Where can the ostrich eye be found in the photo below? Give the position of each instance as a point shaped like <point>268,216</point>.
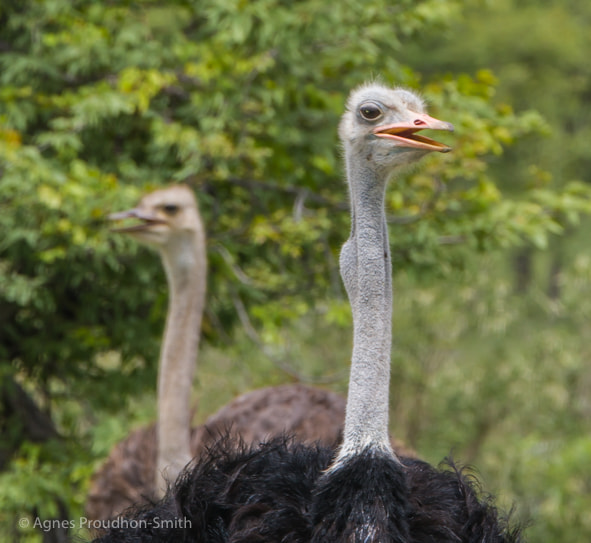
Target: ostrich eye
<point>370,111</point>
<point>170,209</point>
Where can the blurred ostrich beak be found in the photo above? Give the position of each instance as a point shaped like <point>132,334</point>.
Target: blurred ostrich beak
<point>146,220</point>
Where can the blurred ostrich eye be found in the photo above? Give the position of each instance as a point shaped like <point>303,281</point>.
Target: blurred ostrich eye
<point>170,209</point>
<point>370,111</point>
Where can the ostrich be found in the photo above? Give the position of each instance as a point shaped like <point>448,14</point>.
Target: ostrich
<point>362,491</point>
<point>169,220</point>
<point>140,466</point>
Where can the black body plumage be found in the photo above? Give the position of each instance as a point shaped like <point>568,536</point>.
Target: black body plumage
<point>363,499</point>
<point>280,492</point>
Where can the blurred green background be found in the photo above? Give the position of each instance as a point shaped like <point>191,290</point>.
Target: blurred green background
<point>101,101</point>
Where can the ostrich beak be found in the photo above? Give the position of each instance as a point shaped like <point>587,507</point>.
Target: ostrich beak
<point>405,133</point>
<point>146,219</point>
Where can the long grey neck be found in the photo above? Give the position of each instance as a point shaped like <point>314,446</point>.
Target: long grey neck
<point>186,274</point>
<point>366,270</point>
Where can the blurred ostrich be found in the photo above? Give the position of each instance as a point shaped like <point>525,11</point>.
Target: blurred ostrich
<point>140,467</point>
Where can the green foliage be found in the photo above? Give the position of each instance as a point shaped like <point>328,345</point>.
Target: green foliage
<point>537,51</point>
<point>501,381</point>
<point>101,101</point>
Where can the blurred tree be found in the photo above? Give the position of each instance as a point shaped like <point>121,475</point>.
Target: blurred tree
<point>502,381</point>
<point>538,52</point>
<point>536,359</point>
<point>100,101</point>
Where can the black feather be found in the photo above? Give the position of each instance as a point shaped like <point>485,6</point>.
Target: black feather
<point>280,492</point>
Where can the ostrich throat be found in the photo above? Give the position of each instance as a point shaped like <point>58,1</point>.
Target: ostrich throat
<point>366,270</point>
<point>185,268</point>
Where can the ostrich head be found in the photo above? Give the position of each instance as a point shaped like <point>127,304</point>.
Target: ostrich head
<point>162,218</point>
<point>381,124</point>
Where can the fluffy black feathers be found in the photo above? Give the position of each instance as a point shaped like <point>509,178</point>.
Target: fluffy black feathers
<point>364,499</point>
<point>281,492</point>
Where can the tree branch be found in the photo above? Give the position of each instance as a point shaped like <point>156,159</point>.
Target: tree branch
<point>281,364</point>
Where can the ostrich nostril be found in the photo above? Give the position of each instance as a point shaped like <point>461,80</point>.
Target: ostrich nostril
<point>418,122</point>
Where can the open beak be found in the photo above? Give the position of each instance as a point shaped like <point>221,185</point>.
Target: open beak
<point>405,133</point>
<point>146,220</point>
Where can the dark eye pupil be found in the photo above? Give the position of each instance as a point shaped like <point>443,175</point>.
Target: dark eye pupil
<point>170,209</point>
<point>370,112</point>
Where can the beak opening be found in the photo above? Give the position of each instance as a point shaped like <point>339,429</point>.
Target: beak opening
<point>146,220</point>
<point>405,134</point>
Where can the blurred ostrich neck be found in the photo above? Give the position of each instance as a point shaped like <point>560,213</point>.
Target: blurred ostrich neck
<point>184,263</point>
<point>366,271</point>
